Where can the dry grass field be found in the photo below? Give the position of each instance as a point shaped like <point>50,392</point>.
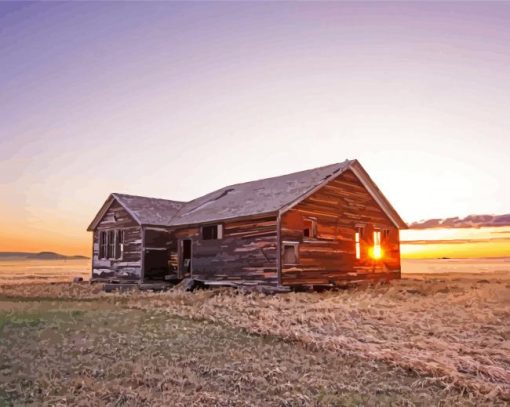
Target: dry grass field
<point>429,339</point>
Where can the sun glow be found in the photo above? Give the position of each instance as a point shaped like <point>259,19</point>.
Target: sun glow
<point>376,252</point>
<point>457,243</point>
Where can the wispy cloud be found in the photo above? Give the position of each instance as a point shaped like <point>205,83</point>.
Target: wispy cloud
<point>456,241</point>
<point>471,221</point>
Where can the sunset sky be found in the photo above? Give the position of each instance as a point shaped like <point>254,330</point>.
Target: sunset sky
<point>174,100</point>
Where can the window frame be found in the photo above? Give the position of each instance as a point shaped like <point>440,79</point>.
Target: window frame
<point>357,244</point>
<point>312,230</point>
<point>110,248</point>
<point>295,246</point>
<point>103,244</point>
<point>385,236</point>
<point>377,237</point>
<point>218,234</point>
<point>359,232</point>
<point>119,244</point>
<point>377,244</point>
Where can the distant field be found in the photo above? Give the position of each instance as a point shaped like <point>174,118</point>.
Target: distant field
<point>430,339</point>
<point>44,271</point>
<point>27,271</point>
<point>434,266</point>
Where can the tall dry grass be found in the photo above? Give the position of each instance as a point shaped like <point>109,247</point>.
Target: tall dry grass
<point>455,332</point>
<point>450,329</point>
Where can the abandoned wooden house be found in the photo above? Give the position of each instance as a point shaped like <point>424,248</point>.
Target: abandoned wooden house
<point>325,226</point>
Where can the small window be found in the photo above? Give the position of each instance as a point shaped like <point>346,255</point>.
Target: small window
<point>212,232</point>
<point>358,235</point>
<point>385,234</point>
<point>310,228</point>
<point>102,245</point>
<point>361,231</point>
<point>290,253</point>
<point>358,245</point>
<point>119,244</point>
<point>111,244</point>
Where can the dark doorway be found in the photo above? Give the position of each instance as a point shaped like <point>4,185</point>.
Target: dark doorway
<point>185,258</point>
<point>156,264</point>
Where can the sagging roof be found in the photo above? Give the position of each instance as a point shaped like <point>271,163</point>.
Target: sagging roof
<point>265,196</point>
<point>254,198</point>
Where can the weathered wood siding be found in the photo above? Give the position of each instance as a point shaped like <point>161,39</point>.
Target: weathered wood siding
<point>245,253</point>
<point>339,207</point>
<point>129,266</point>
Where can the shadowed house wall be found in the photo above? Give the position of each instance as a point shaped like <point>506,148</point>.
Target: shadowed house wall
<point>246,251</point>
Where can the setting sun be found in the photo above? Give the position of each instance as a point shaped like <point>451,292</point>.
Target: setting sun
<point>376,252</point>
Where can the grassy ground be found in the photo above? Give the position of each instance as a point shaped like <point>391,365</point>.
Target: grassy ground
<point>426,340</point>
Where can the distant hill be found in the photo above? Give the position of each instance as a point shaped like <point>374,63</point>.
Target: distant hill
<point>38,256</point>
<point>471,221</point>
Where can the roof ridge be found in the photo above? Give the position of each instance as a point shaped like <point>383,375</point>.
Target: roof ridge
<point>188,208</point>
<point>282,175</point>
<point>346,161</point>
<point>232,185</point>
<point>117,194</point>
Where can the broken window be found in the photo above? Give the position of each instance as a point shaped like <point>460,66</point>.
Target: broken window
<point>111,244</point>
<point>290,253</point>
<point>102,245</point>
<point>309,228</point>
<point>119,244</point>
<point>212,232</point>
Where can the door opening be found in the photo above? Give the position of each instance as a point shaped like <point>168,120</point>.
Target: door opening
<point>185,258</point>
<point>156,264</point>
